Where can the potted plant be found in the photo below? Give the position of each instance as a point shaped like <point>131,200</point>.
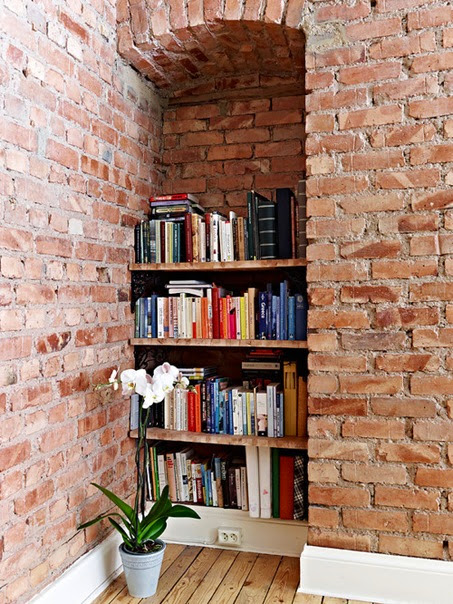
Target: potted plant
<point>142,551</point>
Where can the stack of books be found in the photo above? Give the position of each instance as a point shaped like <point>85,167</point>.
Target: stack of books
<point>203,310</point>
<point>217,480</point>
<point>277,483</point>
<point>179,230</point>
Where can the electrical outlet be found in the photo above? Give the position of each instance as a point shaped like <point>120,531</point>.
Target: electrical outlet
<point>229,536</point>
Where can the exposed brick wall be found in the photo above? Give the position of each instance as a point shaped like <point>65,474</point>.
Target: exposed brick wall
<point>379,152</point>
<point>79,133</point>
<point>221,150</point>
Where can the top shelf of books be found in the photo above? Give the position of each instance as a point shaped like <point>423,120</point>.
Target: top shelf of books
<point>235,265</point>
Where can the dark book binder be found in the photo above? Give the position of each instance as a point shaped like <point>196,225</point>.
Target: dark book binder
<point>284,222</point>
<point>267,229</point>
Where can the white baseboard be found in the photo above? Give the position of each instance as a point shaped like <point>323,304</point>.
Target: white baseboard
<point>267,536</point>
<point>87,577</point>
<point>370,577</point>
<point>93,572</point>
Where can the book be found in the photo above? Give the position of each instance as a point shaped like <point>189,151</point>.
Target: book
<point>300,509</point>
<point>290,397</point>
<point>267,229</point>
<point>275,463</point>
<point>302,407</point>
<point>286,487</point>
<point>251,456</point>
<point>264,466</point>
<point>283,197</point>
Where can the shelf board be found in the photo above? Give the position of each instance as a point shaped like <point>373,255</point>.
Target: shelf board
<point>223,343</point>
<point>286,442</point>
<point>236,265</point>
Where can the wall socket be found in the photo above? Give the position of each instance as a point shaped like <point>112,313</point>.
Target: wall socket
<point>229,536</point>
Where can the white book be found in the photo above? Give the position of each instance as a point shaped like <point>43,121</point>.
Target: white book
<point>189,319</point>
<point>253,480</point>
<point>182,316</point>
<point>179,478</point>
<point>270,409</point>
<point>162,472</point>
<point>264,465</point>
<point>221,241</point>
<point>167,411</point>
<point>235,404</point>
<point>160,317</point>
<point>215,219</point>
<point>202,241</point>
<point>215,500</point>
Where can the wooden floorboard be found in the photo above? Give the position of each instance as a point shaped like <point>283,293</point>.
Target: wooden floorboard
<point>195,575</point>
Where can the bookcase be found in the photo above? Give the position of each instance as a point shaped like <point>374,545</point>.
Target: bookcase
<point>264,535</point>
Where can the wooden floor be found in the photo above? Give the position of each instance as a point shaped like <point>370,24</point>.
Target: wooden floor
<point>197,575</point>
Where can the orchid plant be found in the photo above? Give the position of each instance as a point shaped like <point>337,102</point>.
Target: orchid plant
<point>139,530</point>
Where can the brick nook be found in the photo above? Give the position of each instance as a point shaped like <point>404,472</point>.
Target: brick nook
<point>103,102</point>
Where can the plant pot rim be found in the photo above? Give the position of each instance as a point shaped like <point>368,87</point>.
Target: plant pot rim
<point>124,549</point>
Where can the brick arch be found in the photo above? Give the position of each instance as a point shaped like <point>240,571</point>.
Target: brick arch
<point>175,43</point>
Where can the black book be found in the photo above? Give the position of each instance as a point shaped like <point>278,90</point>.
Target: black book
<point>137,246</point>
<point>284,222</point>
<point>267,228</point>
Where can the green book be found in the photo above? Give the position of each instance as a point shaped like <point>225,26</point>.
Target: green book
<point>275,467</point>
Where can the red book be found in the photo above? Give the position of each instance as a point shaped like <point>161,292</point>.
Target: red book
<point>173,197</point>
<point>188,237</point>
<point>286,487</point>
<point>191,411</point>
<point>204,318</point>
<point>232,323</point>
<point>223,327</point>
<point>215,313</point>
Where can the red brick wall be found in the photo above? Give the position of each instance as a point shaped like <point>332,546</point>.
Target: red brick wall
<point>223,149</point>
<point>379,151</point>
<point>79,132</point>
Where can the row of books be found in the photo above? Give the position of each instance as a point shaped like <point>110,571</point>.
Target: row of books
<point>257,407</point>
<point>277,483</point>
<point>215,481</point>
<point>179,230</point>
<point>269,483</point>
<point>203,310</point>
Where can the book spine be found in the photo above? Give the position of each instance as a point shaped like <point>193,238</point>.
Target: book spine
<point>188,241</point>
<point>137,247</point>
<point>300,317</point>
<point>262,315</point>
<point>291,318</point>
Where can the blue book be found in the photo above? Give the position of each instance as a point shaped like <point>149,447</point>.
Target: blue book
<point>283,311</point>
<point>221,415</point>
<point>274,316</point>
<point>301,317</point>
<point>269,312</point>
<point>142,318</point>
<point>277,319</point>
<point>230,413</point>
<point>262,315</point>
<point>204,484</point>
<point>291,318</point>
<point>154,316</point>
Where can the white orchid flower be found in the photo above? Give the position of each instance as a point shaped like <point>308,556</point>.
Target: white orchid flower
<point>184,382</point>
<point>153,394</point>
<point>134,381</point>
<point>166,369</point>
<point>113,380</point>
<point>166,382</point>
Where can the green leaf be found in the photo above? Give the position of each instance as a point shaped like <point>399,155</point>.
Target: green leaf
<point>182,511</point>
<point>124,507</point>
<point>159,509</point>
<point>101,517</point>
<point>154,530</point>
<point>122,532</point>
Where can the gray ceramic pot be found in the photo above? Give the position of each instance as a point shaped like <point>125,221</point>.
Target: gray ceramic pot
<point>142,570</point>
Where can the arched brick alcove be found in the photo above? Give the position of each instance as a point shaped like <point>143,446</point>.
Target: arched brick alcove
<point>175,43</point>
<point>232,77</point>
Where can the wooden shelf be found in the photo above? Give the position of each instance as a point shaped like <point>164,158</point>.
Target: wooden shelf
<point>223,343</point>
<point>236,265</point>
<point>286,442</point>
